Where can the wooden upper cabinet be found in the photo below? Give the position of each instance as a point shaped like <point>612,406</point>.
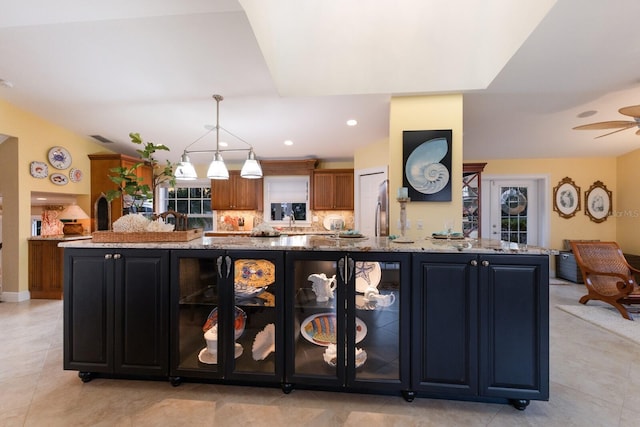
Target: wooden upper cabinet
<point>332,189</point>
<point>236,193</point>
<point>100,182</point>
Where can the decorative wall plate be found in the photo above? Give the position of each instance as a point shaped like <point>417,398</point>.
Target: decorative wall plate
<point>59,179</point>
<point>59,158</point>
<point>75,175</point>
<point>39,170</point>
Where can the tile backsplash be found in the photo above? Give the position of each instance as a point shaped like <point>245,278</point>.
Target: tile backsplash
<point>250,219</point>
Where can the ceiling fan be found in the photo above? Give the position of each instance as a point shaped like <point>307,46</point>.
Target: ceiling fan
<point>633,111</point>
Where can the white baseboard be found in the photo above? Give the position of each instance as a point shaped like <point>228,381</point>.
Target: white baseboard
<point>15,296</point>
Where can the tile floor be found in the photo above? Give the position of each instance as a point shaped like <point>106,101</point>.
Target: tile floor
<point>593,383</point>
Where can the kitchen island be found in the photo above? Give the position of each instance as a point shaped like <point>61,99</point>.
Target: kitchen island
<point>432,318</point>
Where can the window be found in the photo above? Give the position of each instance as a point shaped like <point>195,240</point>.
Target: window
<point>286,196</point>
<point>193,199</point>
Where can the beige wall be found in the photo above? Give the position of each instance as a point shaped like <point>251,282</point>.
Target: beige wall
<point>31,140</point>
<point>425,113</point>
<point>627,202</point>
<point>372,156</point>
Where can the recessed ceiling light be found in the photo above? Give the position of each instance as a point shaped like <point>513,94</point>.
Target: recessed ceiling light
<point>352,122</point>
<point>223,144</point>
<point>288,142</point>
<point>41,198</point>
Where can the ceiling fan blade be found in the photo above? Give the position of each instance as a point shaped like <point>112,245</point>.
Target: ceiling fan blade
<point>633,111</point>
<point>625,124</point>
<point>616,131</point>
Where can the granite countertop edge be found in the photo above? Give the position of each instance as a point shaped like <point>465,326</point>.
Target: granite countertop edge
<point>321,243</point>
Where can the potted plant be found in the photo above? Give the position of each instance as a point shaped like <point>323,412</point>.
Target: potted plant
<point>130,187</point>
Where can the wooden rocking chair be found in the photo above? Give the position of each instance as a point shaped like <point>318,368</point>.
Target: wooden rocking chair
<point>607,275</point>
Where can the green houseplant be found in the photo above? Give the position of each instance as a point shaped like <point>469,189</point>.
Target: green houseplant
<point>130,186</point>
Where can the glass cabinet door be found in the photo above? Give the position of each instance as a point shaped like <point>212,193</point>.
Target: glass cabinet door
<point>315,318</point>
<point>196,297</point>
<point>256,288</point>
<point>225,314</point>
<point>379,327</point>
<point>346,324</point>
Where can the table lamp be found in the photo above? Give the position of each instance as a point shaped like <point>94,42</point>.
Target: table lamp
<point>73,213</point>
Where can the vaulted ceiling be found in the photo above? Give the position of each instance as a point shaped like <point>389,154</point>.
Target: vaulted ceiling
<point>297,70</point>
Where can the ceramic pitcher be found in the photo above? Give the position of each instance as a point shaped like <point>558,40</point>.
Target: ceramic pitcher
<point>323,286</point>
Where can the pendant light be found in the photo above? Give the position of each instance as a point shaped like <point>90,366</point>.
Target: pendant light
<point>217,169</point>
<point>251,168</point>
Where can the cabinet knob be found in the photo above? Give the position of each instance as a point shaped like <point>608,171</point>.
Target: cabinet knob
<point>485,263</point>
<point>474,262</point>
<point>116,256</point>
<point>108,256</point>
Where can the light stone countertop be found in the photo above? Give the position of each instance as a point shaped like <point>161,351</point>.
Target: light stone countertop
<point>324,243</point>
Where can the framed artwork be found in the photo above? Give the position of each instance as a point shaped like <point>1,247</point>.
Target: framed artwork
<point>598,201</point>
<point>566,198</point>
<point>426,156</point>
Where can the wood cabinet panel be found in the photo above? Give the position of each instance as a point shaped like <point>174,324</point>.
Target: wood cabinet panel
<point>100,182</point>
<point>236,193</point>
<point>45,269</point>
<point>332,189</point>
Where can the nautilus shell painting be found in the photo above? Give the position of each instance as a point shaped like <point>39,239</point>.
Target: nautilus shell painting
<point>423,168</point>
<point>427,165</point>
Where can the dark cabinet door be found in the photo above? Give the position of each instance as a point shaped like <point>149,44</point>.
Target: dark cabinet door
<point>514,332</point>
<point>141,312</point>
<point>445,324</point>
<point>88,310</point>
<point>116,311</point>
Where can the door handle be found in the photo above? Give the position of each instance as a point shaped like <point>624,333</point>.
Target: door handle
<point>341,268</point>
<point>219,263</point>
<point>228,259</point>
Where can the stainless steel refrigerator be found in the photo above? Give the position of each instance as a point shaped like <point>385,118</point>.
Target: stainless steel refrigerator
<point>382,209</point>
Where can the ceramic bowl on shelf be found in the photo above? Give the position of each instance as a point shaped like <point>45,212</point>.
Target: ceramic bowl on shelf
<point>330,356</point>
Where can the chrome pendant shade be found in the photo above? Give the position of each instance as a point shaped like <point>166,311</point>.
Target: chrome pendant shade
<point>217,168</point>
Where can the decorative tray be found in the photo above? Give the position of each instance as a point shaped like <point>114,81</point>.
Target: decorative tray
<point>146,236</point>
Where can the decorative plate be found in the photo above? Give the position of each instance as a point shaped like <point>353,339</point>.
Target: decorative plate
<point>368,274</point>
<point>75,175</point>
<point>239,324</point>
<point>59,158</point>
<point>329,218</point>
<point>59,179</point>
<point>443,236</point>
<point>256,273</point>
<point>39,170</point>
<point>350,236</point>
<point>320,329</point>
